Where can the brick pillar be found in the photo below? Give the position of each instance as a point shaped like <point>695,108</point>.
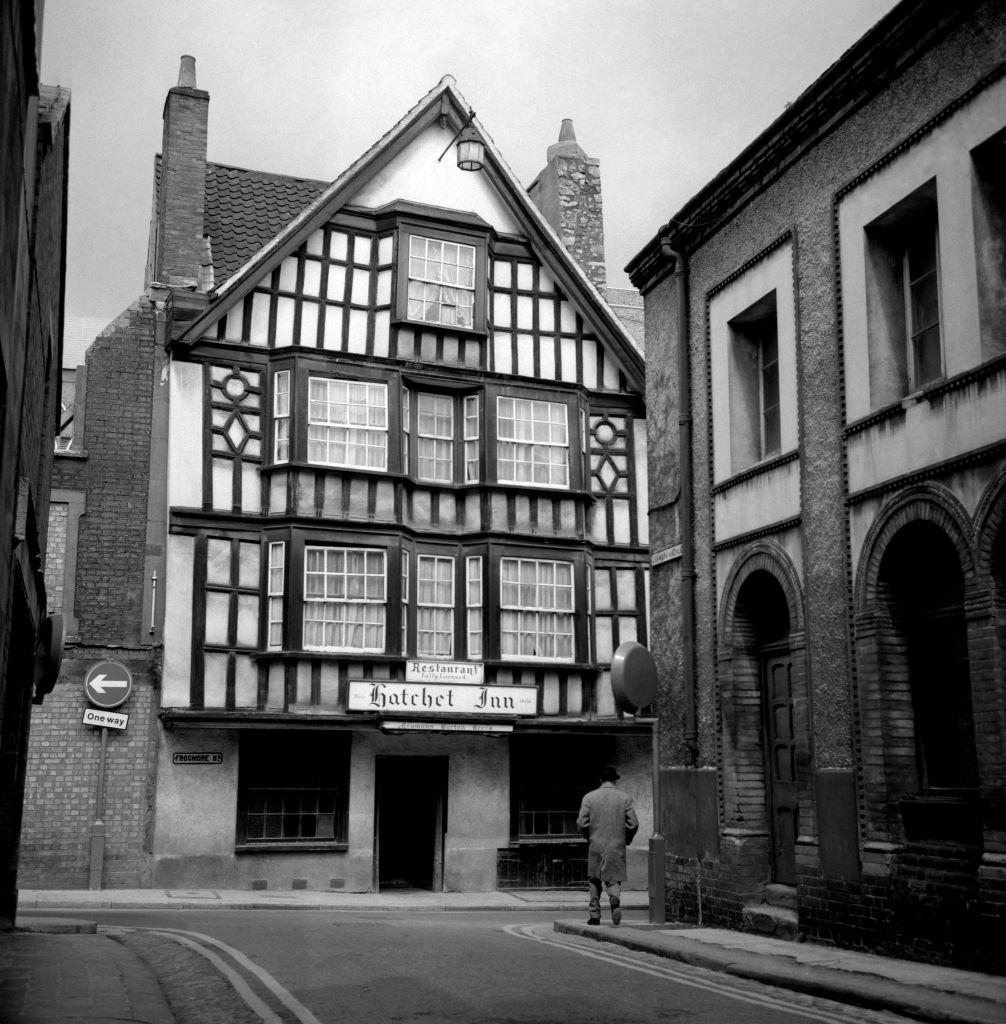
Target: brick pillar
<point>568,193</point>
<point>182,194</point>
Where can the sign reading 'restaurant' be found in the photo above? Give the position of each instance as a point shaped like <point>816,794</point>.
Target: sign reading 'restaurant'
<point>445,672</point>
<point>443,698</point>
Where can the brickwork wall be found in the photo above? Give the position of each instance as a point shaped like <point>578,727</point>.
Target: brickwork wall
<point>121,374</point>
<point>56,555</point>
<point>63,760</point>
<point>924,902</point>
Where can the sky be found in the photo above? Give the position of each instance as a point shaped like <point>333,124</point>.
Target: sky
<point>664,93</point>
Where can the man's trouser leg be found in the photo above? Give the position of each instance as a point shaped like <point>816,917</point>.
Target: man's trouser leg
<point>614,890</point>
<point>594,904</point>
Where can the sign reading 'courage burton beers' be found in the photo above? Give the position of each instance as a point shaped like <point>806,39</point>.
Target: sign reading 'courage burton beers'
<point>443,698</point>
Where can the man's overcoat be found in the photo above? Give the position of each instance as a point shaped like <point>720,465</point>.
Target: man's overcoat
<point>608,819</point>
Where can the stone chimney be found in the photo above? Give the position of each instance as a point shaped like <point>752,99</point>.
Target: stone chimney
<point>568,193</point>
<point>179,246</point>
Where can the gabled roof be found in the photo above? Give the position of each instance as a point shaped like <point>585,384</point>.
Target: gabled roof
<point>444,101</point>
<point>245,210</point>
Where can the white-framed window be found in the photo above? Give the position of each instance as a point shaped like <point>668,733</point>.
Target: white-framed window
<point>536,609</point>
<point>441,282</point>
<point>754,384</point>
<point>472,439</point>
<point>347,423</point>
<point>434,606</point>
<point>281,415</point>
<point>275,591</point>
<point>405,603</point>
<point>532,442</point>
<point>473,576</point>
<point>406,428</point>
<point>435,437</point>
<point>344,599</point>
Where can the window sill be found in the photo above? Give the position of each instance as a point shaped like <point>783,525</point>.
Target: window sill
<point>302,847</point>
<point>757,469</point>
<point>548,841</point>
<point>477,333</point>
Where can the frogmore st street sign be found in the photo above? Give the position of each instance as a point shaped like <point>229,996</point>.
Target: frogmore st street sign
<point>108,684</point>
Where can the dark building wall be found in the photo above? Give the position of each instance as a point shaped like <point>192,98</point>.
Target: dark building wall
<point>926,902</point>
<point>100,501</point>
<point>34,138</point>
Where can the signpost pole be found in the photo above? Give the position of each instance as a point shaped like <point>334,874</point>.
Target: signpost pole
<point>98,828</point>
<point>658,847</point>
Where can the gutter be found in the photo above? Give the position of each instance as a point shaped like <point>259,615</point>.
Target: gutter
<point>685,497</point>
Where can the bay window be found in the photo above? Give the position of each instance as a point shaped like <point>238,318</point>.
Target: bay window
<point>441,282</point>
<point>345,600</point>
<point>433,448</point>
<point>536,609</point>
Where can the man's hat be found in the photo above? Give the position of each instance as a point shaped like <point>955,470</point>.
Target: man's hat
<point>608,773</point>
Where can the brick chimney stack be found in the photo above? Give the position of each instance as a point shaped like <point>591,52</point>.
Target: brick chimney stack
<point>181,201</point>
<point>568,193</point>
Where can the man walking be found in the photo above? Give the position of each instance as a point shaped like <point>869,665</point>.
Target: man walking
<point>608,822</point>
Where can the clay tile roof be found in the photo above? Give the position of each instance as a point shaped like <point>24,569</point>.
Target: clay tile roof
<point>247,209</point>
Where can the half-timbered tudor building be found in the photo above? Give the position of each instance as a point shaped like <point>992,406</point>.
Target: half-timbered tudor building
<point>400,435</point>
<point>825,331</point>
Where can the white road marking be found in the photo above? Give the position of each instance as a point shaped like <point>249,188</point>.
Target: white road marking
<point>693,977</point>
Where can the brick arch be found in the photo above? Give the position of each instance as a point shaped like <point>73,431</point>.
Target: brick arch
<point>772,558</point>
<point>928,503</point>
<point>990,524</point>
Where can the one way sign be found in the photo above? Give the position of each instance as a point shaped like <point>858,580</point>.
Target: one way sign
<point>108,684</point>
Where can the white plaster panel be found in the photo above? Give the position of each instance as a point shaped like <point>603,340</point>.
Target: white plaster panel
<point>196,803</point>
<point>774,272</point>
<point>178,621</point>
<point>931,431</point>
<point>418,175</point>
<point>944,154</point>
<point>759,501</point>
<point>185,436</point>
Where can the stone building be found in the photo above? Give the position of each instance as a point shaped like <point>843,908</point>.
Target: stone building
<point>34,147</point>
<point>827,321</point>
<point>356,492</point>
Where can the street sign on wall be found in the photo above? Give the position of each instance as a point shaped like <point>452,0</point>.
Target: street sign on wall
<point>105,719</point>
<point>108,684</point>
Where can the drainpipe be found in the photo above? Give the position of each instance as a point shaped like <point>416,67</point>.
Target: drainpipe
<point>685,499</point>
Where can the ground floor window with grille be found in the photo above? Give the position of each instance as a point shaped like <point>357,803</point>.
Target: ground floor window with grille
<point>293,790</point>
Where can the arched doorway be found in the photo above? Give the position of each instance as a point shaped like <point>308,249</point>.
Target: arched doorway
<point>921,583</point>
<point>761,638</point>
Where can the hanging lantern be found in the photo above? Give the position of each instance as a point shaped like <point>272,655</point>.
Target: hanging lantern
<point>471,150</point>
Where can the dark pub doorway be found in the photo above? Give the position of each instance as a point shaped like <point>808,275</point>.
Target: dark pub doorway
<point>411,822</point>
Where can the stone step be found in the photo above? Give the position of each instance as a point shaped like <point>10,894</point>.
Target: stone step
<point>781,896</point>
<point>779,922</point>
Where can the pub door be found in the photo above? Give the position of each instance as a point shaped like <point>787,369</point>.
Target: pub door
<point>411,819</point>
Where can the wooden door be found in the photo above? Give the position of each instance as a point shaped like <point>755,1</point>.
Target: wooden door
<point>783,807</point>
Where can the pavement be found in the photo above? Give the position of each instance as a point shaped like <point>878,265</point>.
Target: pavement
<point>56,969</point>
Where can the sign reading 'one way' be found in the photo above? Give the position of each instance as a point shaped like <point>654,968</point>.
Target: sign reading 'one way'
<point>108,684</point>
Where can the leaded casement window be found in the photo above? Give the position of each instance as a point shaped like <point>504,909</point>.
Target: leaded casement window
<point>441,436</point>
<point>345,602</point>
<point>441,282</point>
<point>347,423</point>
<point>537,609</point>
<point>281,416</point>
<point>293,790</point>
<point>275,590</point>
<point>532,442</point>
<point>619,608</point>
<point>473,577</point>
<point>472,439</point>
<point>404,604</point>
<point>435,437</point>
<point>434,606</point>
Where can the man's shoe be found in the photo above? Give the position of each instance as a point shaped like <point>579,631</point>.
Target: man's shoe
<point>593,920</point>
<point>616,913</point>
